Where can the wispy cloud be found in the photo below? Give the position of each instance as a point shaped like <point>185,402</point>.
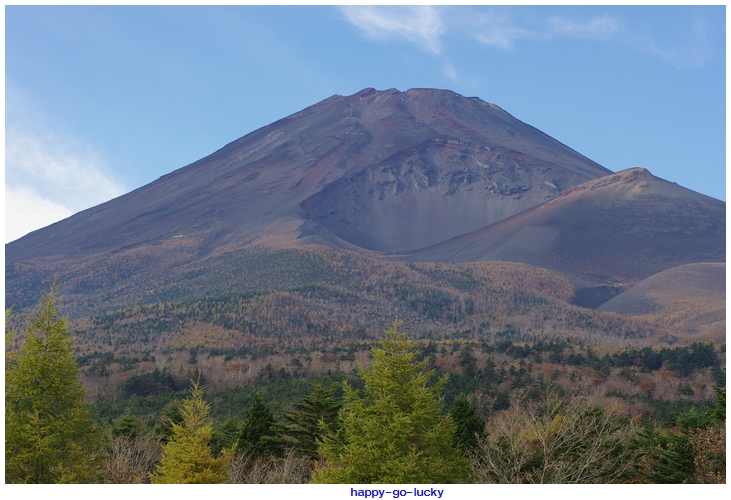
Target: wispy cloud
<point>598,27</point>
<point>26,211</point>
<point>500,29</point>
<point>48,177</point>
<point>420,25</point>
<point>451,73</point>
<point>690,47</point>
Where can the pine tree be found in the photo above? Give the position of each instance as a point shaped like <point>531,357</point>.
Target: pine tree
<point>128,426</point>
<point>49,435</point>
<point>258,429</point>
<point>225,435</point>
<point>469,426</point>
<point>186,457</point>
<point>314,416</point>
<point>395,432</point>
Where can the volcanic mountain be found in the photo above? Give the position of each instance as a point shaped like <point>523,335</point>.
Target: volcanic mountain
<point>426,174</point>
<point>385,171</point>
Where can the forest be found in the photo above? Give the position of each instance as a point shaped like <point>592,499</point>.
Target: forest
<point>349,407</point>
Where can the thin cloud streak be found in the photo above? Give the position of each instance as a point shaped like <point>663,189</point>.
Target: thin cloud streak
<point>420,25</point>
<point>502,27</point>
<point>600,27</point>
<point>692,49</point>
<point>497,29</point>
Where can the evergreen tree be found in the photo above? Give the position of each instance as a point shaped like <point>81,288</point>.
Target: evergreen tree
<point>128,426</point>
<point>671,455</point>
<point>258,430</point>
<point>225,435</point>
<point>667,454</point>
<point>469,426</point>
<point>502,401</point>
<point>394,432</point>
<point>172,415</point>
<point>186,457</point>
<point>49,435</point>
<point>314,416</point>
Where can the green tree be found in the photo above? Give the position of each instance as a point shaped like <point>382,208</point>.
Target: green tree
<point>128,425</point>
<point>395,431</point>
<point>225,435</point>
<point>469,426</point>
<point>314,416</point>
<point>171,415</point>
<point>258,430</point>
<point>186,457</point>
<point>49,435</point>
<point>671,456</point>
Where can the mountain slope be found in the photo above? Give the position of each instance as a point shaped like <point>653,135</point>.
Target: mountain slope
<point>615,230</point>
<point>422,175</point>
<point>688,299</point>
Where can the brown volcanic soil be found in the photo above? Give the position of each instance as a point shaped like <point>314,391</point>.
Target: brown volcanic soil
<point>615,231</point>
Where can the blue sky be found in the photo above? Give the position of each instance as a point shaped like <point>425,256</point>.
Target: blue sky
<point>102,100</point>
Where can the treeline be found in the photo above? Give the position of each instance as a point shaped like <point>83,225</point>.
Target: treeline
<point>333,434</point>
<point>390,423</point>
<point>492,372</point>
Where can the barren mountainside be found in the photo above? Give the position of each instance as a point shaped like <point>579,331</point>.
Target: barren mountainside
<point>445,163</point>
<point>618,229</point>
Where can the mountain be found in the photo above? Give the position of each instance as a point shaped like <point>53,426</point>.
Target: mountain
<point>421,175</point>
<point>374,171</point>
<point>346,161</point>
<point>607,232</point>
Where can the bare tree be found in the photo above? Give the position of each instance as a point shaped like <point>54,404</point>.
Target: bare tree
<point>131,459</point>
<point>291,469</point>
<point>709,450</point>
<point>561,441</point>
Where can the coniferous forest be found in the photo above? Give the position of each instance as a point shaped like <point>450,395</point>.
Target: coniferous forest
<point>347,408</point>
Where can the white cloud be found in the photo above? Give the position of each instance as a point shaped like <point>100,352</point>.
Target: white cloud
<point>26,210</point>
<point>48,178</point>
<point>451,73</point>
<point>599,27</point>
<point>418,24</point>
<point>497,29</point>
<point>688,44</point>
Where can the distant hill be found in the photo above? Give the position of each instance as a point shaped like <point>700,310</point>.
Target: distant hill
<point>690,299</point>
